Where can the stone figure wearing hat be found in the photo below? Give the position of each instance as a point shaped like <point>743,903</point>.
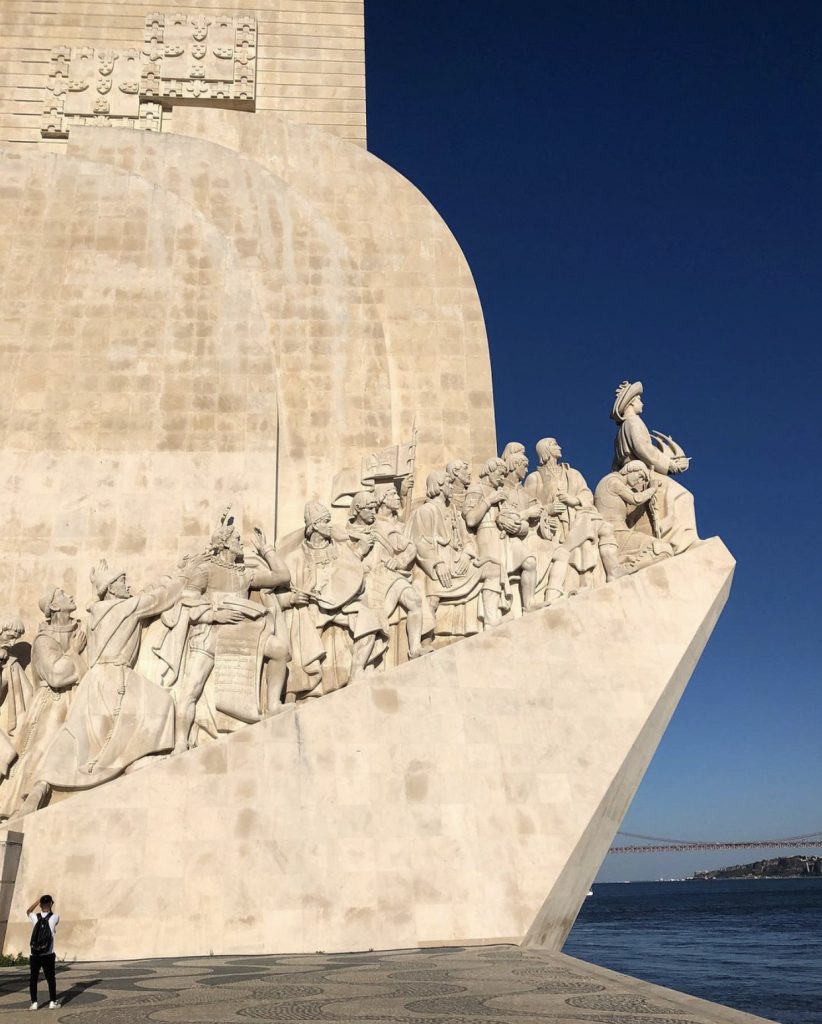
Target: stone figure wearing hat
<point>117,716</point>
<point>335,635</point>
<point>57,665</point>
<point>674,505</point>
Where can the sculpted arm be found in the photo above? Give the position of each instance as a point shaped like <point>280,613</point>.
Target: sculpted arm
<point>474,509</point>
<point>643,448</point>
<point>59,670</point>
<point>276,574</point>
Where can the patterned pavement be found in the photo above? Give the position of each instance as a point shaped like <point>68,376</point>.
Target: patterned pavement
<point>457,985</point>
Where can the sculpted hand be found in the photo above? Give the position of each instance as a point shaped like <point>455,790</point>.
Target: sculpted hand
<point>443,575</point>
<point>558,508</point>
<point>393,564</point>
<point>299,599</point>
<point>78,641</point>
<point>497,498</point>
<point>463,564</point>
<point>227,616</point>
<point>259,541</point>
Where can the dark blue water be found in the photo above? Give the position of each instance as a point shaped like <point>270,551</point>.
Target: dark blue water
<point>756,946</point>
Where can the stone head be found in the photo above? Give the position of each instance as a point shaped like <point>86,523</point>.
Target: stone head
<point>363,508</point>
<point>459,471</point>
<point>548,448</point>
<point>515,459</point>
<point>11,629</point>
<point>227,539</point>
<point>317,520</point>
<point>389,498</point>
<point>636,474</point>
<point>439,484</point>
<point>494,472</point>
<point>54,601</point>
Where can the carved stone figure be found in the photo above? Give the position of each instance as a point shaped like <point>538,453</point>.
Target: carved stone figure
<point>674,505</point>
<point>451,579</point>
<point>480,511</point>
<point>389,565</point>
<point>117,716</point>
<point>15,688</point>
<point>217,629</point>
<point>334,632</point>
<point>524,551</point>
<point>57,665</point>
<point>624,499</point>
<point>557,487</point>
<point>459,473</point>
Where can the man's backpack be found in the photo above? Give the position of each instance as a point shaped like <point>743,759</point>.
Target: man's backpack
<point>41,935</point>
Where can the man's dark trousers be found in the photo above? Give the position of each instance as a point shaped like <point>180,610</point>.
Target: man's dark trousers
<point>47,963</point>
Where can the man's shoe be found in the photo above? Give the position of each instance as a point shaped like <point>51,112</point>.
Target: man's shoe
<point>33,1006</point>
<point>54,1004</point>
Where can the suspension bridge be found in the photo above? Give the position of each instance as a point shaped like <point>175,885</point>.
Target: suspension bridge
<point>660,844</point>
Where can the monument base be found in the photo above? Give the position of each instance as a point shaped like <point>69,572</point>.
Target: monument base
<point>435,804</point>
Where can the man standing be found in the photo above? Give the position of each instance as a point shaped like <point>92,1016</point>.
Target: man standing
<point>45,923</point>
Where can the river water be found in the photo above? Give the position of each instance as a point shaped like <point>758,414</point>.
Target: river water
<point>756,946</point>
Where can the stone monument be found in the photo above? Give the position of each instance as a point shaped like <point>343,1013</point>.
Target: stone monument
<point>418,713</point>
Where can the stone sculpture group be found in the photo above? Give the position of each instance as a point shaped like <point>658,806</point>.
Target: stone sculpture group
<point>159,671</point>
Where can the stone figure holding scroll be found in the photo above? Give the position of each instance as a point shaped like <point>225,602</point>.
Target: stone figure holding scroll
<point>216,630</point>
<point>335,635</point>
<point>57,664</point>
<point>117,717</point>
<point>674,505</point>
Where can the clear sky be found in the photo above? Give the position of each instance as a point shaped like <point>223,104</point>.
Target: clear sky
<point>638,189</point>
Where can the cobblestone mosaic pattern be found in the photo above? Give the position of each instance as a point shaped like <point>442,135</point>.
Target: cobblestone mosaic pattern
<point>475,985</point>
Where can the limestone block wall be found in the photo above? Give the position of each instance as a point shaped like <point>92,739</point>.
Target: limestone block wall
<point>468,796</point>
<point>185,324</point>
<point>311,55</point>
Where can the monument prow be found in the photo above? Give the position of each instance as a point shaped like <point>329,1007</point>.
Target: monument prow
<point>468,796</point>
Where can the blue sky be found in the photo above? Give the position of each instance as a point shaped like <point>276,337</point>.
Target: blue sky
<point>638,189</point>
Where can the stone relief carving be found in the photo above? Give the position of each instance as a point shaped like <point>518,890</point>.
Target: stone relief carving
<point>208,60</point>
<point>240,631</point>
<point>88,86</point>
<point>204,60</point>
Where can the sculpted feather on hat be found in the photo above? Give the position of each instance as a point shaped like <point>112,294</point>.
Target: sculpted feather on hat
<point>625,394</point>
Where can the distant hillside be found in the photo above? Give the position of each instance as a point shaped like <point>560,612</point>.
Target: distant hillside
<point>776,867</point>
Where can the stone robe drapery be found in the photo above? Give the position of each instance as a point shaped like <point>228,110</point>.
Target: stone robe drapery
<point>440,535</point>
<point>117,716</point>
<point>16,695</point>
<point>548,482</point>
<point>675,504</point>
<point>317,646</point>
<point>55,670</point>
